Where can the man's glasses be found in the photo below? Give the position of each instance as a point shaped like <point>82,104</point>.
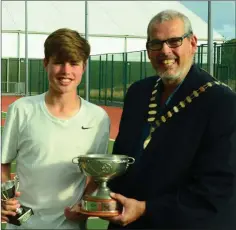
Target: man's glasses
<point>157,45</point>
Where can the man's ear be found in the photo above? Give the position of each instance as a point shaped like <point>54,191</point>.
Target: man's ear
<point>148,53</point>
<point>194,43</point>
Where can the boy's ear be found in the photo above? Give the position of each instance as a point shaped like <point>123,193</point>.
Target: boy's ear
<point>45,62</point>
<point>84,65</point>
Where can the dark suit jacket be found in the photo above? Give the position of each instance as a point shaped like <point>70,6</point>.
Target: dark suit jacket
<point>187,173</point>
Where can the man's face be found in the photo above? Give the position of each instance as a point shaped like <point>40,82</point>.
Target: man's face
<point>63,77</point>
<point>172,63</point>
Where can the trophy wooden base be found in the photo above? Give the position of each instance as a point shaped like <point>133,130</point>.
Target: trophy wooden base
<point>99,214</point>
<point>93,206</point>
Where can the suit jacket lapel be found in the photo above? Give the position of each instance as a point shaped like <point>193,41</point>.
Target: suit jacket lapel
<point>191,82</point>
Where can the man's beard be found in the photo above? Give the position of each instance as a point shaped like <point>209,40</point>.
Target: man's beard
<point>178,73</point>
<point>165,75</point>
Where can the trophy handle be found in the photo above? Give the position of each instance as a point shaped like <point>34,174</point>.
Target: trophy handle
<point>131,160</point>
<point>75,162</point>
<point>16,180</point>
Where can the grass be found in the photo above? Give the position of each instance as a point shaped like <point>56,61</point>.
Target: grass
<point>93,223</point>
<point>3,115</point>
<point>97,223</point>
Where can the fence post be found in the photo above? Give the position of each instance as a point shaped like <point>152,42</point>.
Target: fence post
<point>214,62</point>
<point>198,55</point>
<point>30,75</point>
<point>105,83</point>
<point>45,88</point>
<point>141,65</point>
<point>112,76</point>
<point>100,78</point>
<point>8,68</point>
<point>201,54</point>
<point>218,61</point>
<point>125,73</point>
<point>42,85</point>
<point>145,63</point>
<point>89,76</point>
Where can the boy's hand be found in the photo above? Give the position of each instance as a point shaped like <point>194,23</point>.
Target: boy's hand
<point>74,213</point>
<point>9,207</point>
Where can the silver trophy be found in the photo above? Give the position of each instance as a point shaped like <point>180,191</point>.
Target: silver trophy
<point>8,190</point>
<point>102,167</point>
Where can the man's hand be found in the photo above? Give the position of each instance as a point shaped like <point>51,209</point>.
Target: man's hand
<point>74,213</point>
<point>132,210</point>
<point>8,207</point>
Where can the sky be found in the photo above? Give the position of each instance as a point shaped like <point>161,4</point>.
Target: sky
<point>223,15</point>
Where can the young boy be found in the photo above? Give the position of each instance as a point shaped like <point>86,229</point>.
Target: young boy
<point>45,132</point>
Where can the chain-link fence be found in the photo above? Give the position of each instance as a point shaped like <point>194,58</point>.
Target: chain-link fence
<point>112,74</point>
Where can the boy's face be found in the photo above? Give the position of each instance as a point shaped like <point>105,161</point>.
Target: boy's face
<point>64,77</point>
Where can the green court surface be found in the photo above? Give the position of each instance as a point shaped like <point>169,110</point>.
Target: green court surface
<point>93,223</point>
<point>3,115</point>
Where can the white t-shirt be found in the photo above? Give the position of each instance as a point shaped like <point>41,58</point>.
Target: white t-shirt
<point>44,147</point>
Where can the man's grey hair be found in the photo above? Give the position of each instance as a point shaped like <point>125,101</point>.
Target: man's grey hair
<point>168,15</point>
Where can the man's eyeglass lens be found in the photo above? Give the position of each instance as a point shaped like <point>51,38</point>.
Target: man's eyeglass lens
<point>172,43</point>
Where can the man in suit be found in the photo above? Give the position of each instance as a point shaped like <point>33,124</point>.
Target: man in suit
<point>180,126</point>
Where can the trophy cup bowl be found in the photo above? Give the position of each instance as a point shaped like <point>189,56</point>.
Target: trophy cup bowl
<point>102,168</point>
<point>8,190</point>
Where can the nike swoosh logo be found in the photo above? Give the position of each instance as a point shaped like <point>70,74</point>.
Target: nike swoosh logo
<point>86,127</point>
